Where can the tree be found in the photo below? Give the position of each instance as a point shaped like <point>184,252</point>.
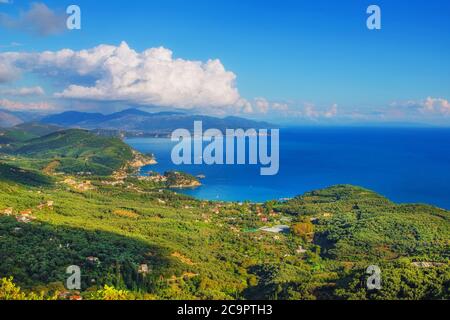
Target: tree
<point>303,229</point>
<point>110,293</point>
<point>9,291</point>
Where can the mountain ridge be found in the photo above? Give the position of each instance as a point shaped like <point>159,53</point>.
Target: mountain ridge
<point>9,119</point>
<point>135,120</point>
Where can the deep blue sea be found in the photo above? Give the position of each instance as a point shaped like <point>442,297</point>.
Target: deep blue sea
<point>409,165</point>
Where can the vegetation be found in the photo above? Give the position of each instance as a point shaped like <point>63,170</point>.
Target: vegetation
<point>134,239</point>
<point>23,176</point>
<point>180,180</point>
<point>75,151</point>
<point>26,131</point>
<point>35,129</point>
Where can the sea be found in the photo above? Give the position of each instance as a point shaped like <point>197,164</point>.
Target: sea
<point>407,165</point>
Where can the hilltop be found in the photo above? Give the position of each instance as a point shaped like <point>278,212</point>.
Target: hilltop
<point>356,224</point>
<point>36,129</point>
<point>26,131</point>
<point>73,150</point>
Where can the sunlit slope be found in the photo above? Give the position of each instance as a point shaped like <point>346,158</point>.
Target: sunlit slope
<point>76,150</point>
<point>195,249</point>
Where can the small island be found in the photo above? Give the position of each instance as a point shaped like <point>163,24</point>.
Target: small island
<point>181,180</point>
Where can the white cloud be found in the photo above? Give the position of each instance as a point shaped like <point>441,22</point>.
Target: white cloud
<point>310,111</point>
<point>25,91</point>
<point>295,110</point>
<point>8,72</point>
<point>262,105</point>
<point>429,106</point>
<point>26,106</point>
<point>39,19</point>
<point>438,105</point>
<point>149,78</point>
<point>279,106</point>
<point>332,112</point>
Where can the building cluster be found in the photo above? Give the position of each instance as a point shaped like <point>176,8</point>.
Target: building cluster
<point>26,216</point>
<point>79,186</point>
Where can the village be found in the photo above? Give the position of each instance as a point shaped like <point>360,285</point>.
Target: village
<point>26,216</point>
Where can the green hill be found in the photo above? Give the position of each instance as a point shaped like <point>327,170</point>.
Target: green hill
<point>37,129</point>
<point>77,151</point>
<point>8,136</point>
<point>26,131</point>
<point>355,224</point>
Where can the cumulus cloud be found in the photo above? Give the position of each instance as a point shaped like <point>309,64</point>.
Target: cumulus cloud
<point>438,105</point>
<point>149,78</point>
<point>39,19</point>
<point>262,105</point>
<point>8,72</point>
<point>153,77</point>
<point>25,91</point>
<point>332,112</point>
<point>280,106</point>
<point>429,106</point>
<point>297,111</point>
<point>311,111</point>
<point>25,106</point>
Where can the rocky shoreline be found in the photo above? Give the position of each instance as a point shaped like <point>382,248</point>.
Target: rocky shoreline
<point>140,160</point>
<point>172,179</point>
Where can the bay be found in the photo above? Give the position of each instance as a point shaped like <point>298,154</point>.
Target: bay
<point>408,165</point>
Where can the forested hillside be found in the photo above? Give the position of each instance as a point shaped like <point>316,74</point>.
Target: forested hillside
<point>69,151</point>
<point>135,239</point>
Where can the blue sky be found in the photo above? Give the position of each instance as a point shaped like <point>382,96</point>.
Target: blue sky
<point>312,60</point>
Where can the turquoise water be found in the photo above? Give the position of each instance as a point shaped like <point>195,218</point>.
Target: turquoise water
<point>406,165</point>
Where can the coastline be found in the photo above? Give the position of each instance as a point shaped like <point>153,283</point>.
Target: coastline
<point>315,158</point>
<point>174,179</point>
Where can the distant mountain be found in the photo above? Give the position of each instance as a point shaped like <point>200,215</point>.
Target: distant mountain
<point>134,120</point>
<point>71,118</point>
<point>8,119</point>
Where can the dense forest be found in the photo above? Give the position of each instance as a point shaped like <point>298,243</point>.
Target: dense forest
<point>69,197</point>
